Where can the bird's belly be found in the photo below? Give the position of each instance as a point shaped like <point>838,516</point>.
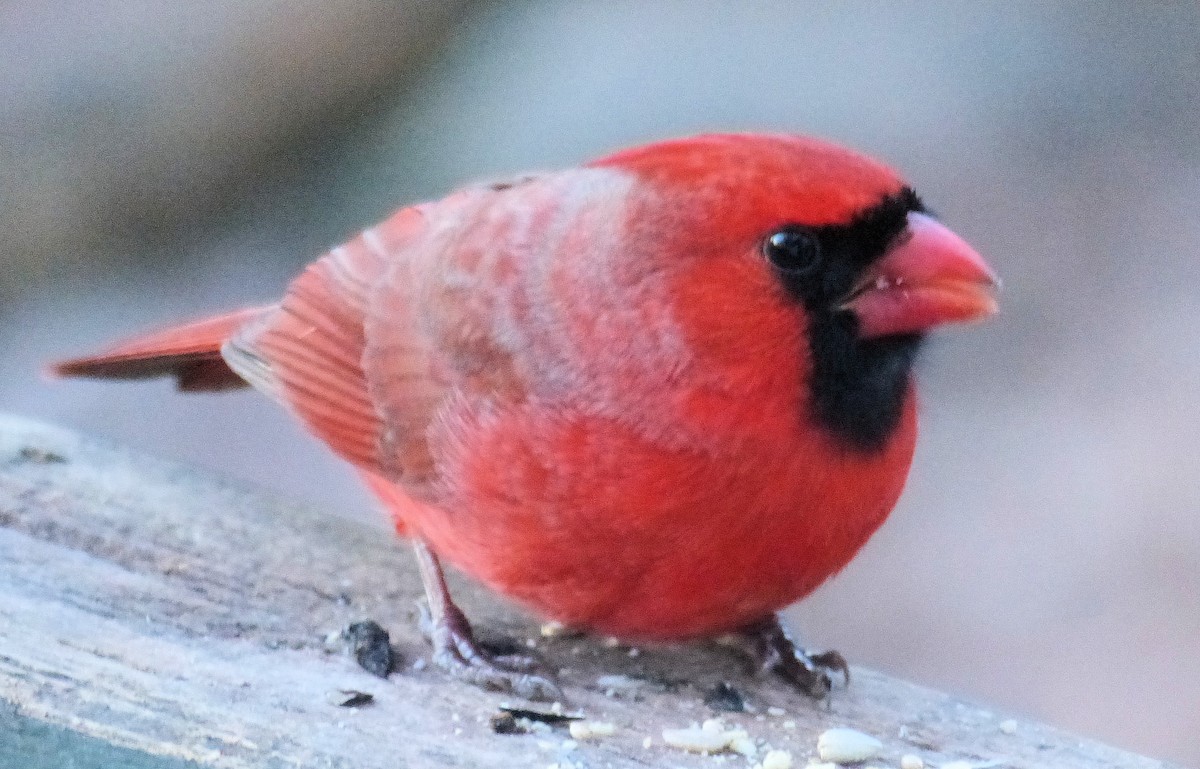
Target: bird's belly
<point>587,522</point>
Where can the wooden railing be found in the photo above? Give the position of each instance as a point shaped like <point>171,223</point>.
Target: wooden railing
<point>177,617</point>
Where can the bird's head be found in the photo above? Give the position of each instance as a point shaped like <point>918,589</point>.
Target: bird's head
<point>798,233</point>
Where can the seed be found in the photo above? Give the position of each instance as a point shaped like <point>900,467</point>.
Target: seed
<point>586,730</point>
<point>847,746</point>
<point>741,743</point>
<point>695,740</point>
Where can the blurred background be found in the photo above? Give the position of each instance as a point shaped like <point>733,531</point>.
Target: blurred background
<point>161,160</point>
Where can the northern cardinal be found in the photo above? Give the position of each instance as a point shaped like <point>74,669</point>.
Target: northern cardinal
<point>660,396</point>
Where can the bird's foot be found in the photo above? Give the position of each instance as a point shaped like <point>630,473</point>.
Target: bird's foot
<point>456,651</point>
<point>773,651</point>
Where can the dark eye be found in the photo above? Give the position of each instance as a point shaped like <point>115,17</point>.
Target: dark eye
<point>793,250</point>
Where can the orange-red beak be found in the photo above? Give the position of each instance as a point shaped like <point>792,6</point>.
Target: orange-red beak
<point>928,278</point>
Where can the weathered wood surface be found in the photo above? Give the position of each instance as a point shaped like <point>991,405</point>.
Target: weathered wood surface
<point>164,610</point>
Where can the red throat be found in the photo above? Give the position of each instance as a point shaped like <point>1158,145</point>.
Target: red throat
<point>929,278</point>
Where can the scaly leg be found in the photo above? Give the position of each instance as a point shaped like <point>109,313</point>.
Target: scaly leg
<point>773,651</point>
<point>455,649</point>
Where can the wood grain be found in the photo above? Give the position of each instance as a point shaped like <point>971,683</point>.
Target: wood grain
<point>164,610</point>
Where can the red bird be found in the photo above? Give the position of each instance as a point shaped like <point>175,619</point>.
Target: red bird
<point>661,396</point>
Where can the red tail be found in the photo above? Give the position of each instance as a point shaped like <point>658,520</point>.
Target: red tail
<point>191,353</point>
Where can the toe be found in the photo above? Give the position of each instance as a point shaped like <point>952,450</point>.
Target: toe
<point>833,662</point>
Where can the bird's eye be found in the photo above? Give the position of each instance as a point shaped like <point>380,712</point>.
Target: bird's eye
<point>793,250</point>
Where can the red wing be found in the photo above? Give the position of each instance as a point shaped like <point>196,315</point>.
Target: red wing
<point>308,352</point>
<point>431,329</point>
<point>373,338</point>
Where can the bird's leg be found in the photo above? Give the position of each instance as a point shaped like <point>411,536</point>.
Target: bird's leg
<point>773,651</point>
<point>455,649</point>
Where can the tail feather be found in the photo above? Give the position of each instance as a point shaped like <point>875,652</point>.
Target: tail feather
<point>191,353</point>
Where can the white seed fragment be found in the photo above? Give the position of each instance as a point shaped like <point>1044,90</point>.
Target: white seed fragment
<point>777,759</point>
<point>821,765</point>
<point>603,728</point>
<point>647,742</point>
<point>587,730</point>
<point>1009,726</point>
<point>552,629</point>
<point>569,745</point>
<point>695,740</point>
<point>789,724</point>
<point>741,743</point>
<point>711,737</point>
<point>774,711</point>
<point>911,761</point>
<point>847,746</point>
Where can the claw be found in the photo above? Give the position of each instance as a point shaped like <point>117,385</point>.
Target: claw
<point>456,650</point>
<point>773,652</point>
<point>833,661</point>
